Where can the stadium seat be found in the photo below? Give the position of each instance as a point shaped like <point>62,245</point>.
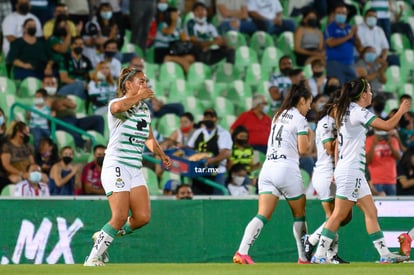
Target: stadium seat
<point>8,190</point>
<point>399,42</point>
<point>167,124</point>
<point>263,88</point>
<point>406,9</point>
<point>394,79</point>
<point>197,73</point>
<point>152,70</point>
<point>226,72</point>
<point>285,42</point>
<point>152,181</point>
<point>235,39</point>
<point>166,176</point>
<point>169,72</point>
<point>223,106</point>
<point>192,105</point>
<point>406,89</point>
<point>259,41</point>
<point>132,48</point>
<point>270,60</point>
<point>177,91</point>
<point>254,75</point>
<point>6,102</point>
<point>243,105</point>
<point>7,86</point>
<point>100,139</point>
<point>64,139</point>
<point>80,105</point>
<point>244,57</point>
<point>227,121</point>
<point>149,55</point>
<point>307,71</point>
<point>236,91</point>
<point>29,86</point>
<point>210,89</point>
<point>407,60</point>
<point>391,104</point>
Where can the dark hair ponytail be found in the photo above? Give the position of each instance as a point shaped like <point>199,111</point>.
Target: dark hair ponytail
<point>332,102</point>
<point>296,92</point>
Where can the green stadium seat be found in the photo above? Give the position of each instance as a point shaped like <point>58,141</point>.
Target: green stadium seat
<point>406,89</point>
<point>197,73</point>
<point>64,139</point>
<point>178,90</point>
<point>407,60</point>
<point>223,106</point>
<point>226,72</point>
<point>29,86</point>
<point>169,72</point>
<point>394,79</point>
<point>210,90</point>
<point>152,70</point>
<point>100,139</point>
<point>7,86</point>
<point>391,104</point>
<point>254,75</point>
<point>167,124</point>
<point>235,39</point>
<point>6,102</point>
<point>8,190</point>
<point>285,42</point>
<point>227,121</point>
<point>193,105</point>
<point>149,55</point>
<point>245,56</point>
<point>399,42</point>
<point>80,105</point>
<point>152,181</point>
<point>270,60</point>
<point>259,41</point>
<point>237,90</point>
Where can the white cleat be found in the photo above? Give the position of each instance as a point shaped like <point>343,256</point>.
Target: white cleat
<point>94,262</point>
<point>105,256</point>
<point>393,259</point>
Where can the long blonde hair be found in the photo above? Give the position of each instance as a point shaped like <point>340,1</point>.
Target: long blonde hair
<point>99,67</point>
<point>126,75</point>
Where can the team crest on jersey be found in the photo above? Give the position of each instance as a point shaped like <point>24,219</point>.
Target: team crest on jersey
<point>141,124</point>
<point>119,183</point>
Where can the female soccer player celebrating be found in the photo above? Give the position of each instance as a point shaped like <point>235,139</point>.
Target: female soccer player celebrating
<point>290,136</point>
<point>351,186</point>
<point>129,125</point>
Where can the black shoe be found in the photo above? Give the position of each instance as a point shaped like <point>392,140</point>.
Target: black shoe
<point>308,247</point>
<point>338,260</point>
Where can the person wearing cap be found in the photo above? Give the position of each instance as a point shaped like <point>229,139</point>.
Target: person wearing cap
<point>170,187</point>
<point>211,138</point>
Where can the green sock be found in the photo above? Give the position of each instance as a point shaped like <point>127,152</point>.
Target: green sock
<point>125,230</point>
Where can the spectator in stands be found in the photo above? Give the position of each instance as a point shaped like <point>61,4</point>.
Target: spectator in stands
<point>210,47</point>
<point>332,84</point>
<point>184,192</point>
<point>74,70</point>
<point>110,50</point>
<point>144,12</point>
<point>6,9</point>
<point>46,155</point>
<point>340,39</point>
<point>318,79</point>
<point>211,138</point>
<point>239,180</point>
<point>280,83</point>
<point>101,88</point>
<point>4,180</point>
<point>170,187</point>
<point>372,68</point>
<point>296,76</point>
<point>169,32</point>
<point>79,11</point>
<point>12,24</point>
<point>267,15</point>
<point>398,25</point>
<point>378,105</point>
<point>91,174</point>
<point>382,8</point>
<point>257,123</point>
<point>33,186</point>
<point>308,39</point>
<point>382,153</point>
<point>3,127</point>
<point>29,55</point>
<point>180,137</point>
<point>16,153</point>
<point>405,185</point>
<point>64,175</point>
<point>61,11</point>
<point>60,38</point>
<point>233,15</point>
<point>39,125</point>
<point>157,106</point>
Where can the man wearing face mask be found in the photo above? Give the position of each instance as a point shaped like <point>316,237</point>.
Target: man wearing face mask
<point>12,24</point>
<point>279,84</point>
<point>340,39</point>
<point>33,186</point>
<point>318,80</point>
<point>372,68</point>
<point>91,174</point>
<point>110,51</point>
<point>211,138</point>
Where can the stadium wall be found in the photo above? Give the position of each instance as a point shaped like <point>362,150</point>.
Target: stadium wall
<point>59,231</point>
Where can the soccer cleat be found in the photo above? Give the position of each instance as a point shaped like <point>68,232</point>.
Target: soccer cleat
<point>337,260</point>
<point>308,247</point>
<point>94,262</point>
<point>105,256</point>
<point>316,260</point>
<point>242,259</point>
<point>405,244</point>
<point>393,259</point>
<point>303,262</point>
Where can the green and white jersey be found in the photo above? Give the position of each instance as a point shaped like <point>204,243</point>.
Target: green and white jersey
<point>282,145</point>
<point>128,133</point>
<point>325,132</point>
<point>381,7</point>
<point>351,139</point>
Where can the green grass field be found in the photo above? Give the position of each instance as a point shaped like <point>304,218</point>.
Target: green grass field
<point>195,269</point>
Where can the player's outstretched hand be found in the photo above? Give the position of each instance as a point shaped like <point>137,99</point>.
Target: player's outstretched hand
<point>166,161</point>
<point>405,105</point>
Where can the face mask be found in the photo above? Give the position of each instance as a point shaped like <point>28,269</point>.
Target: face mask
<point>209,124</point>
<point>162,6</point>
<point>186,130</point>
<point>78,50</point>
<point>67,160</point>
<point>100,160</point>
<point>200,20</point>
<point>285,71</point>
<point>109,54</point>
<point>371,21</point>
<point>241,141</point>
<point>1,120</point>
<point>51,90</point>
<point>31,31</point>
<point>340,18</point>
<point>35,176</point>
<point>24,8</point>
<point>319,106</point>
<point>38,101</point>
<point>266,109</point>
<point>313,23</point>
<point>26,138</point>
<point>100,76</point>
<point>238,180</point>
<point>317,74</point>
<point>331,88</point>
<point>370,57</point>
<point>106,15</point>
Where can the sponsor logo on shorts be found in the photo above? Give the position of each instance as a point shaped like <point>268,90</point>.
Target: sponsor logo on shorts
<point>119,183</point>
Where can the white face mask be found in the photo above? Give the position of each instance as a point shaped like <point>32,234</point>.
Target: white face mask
<point>51,90</point>
<point>200,20</point>
<point>238,180</point>
<point>38,101</point>
<point>100,76</point>
<point>266,109</point>
<point>35,176</point>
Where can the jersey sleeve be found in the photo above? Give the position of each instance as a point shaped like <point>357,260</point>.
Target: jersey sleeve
<point>303,127</point>
<point>362,116</point>
<point>327,134</point>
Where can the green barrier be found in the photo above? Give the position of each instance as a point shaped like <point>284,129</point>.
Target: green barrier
<point>59,231</point>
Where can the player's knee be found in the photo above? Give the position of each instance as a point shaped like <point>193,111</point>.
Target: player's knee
<point>139,220</point>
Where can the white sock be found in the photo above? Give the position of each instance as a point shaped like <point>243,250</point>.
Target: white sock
<point>377,239</point>
<point>333,249</point>
<point>325,242</point>
<point>314,237</point>
<point>103,241</point>
<point>300,228</point>
<point>251,233</point>
<point>411,233</point>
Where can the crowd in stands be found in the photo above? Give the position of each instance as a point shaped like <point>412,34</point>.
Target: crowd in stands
<point>219,69</point>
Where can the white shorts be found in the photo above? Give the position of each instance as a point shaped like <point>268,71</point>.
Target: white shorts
<point>352,185</point>
<point>119,178</point>
<point>322,182</point>
<point>281,181</point>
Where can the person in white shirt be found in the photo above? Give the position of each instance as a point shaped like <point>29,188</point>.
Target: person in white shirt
<point>33,186</point>
<point>12,25</point>
<point>233,15</point>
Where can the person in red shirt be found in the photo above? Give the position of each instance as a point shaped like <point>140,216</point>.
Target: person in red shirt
<point>382,151</point>
<point>91,174</point>
<point>257,123</point>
